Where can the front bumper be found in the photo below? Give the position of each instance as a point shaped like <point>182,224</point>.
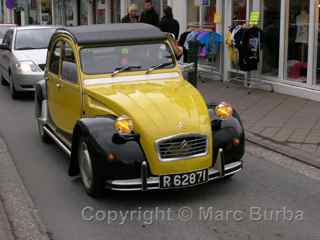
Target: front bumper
<point>26,82</point>
<point>220,170</point>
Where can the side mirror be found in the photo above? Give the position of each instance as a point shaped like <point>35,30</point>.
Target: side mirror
<point>4,46</point>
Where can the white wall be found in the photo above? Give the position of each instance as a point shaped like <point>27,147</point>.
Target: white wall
<point>179,9</point>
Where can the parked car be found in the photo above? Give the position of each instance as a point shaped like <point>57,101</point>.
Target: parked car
<point>114,99</point>
<point>23,55</point>
<point>3,30</point>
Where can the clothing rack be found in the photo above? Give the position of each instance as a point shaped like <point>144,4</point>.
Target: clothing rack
<point>248,79</point>
<point>204,69</point>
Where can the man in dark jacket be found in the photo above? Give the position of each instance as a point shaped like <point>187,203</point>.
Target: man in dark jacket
<point>168,23</point>
<point>149,15</point>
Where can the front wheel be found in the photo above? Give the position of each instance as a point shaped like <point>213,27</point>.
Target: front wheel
<point>92,183</point>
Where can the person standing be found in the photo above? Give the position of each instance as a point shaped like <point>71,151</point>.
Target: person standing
<point>169,24</point>
<point>132,16</point>
<point>149,15</point>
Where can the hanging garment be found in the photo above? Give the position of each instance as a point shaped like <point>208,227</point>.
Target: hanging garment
<point>249,48</point>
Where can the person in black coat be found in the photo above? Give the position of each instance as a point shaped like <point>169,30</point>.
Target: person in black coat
<point>132,16</point>
<point>169,24</point>
<point>149,15</point>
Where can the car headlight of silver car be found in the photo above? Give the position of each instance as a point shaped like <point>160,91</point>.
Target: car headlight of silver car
<point>27,67</point>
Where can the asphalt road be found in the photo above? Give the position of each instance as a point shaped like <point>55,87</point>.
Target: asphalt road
<point>265,201</point>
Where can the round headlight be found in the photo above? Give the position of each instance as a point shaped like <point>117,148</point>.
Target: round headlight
<point>124,125</point>
<point>224,111</point>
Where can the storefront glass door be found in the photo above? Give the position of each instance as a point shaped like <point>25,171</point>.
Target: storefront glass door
<point>298,41</point>
<point>271,37</point>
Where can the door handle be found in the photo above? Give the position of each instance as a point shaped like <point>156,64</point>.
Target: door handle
<point>58,85</point>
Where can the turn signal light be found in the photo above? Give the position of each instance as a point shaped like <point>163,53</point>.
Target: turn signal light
<point>111,157</point>
<point>124,125</point>
<point>236,142</point>
<point>224,111</point>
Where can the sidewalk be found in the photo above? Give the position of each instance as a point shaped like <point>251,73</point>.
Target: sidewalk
<point>287,124</point>
<point>19,219</point>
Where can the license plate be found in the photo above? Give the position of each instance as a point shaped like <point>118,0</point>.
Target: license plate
<point>184,179</point>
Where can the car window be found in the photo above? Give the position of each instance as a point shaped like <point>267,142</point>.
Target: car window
<point>102,60</point>
<point>69,66</point>
<point>55,59</point>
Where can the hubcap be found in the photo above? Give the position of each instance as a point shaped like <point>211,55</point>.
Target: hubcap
<point>85,165</point>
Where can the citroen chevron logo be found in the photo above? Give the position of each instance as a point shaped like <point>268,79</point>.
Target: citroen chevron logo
<point>180,125</point>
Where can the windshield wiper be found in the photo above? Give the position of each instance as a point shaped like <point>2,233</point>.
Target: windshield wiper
<point>162,65</point>
<point>123,69</point>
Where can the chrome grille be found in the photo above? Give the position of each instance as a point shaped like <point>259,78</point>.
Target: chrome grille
<point>182,147</point>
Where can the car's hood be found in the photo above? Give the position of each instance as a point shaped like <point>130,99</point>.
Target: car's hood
<point>38,56</point>
<point>159,109</point>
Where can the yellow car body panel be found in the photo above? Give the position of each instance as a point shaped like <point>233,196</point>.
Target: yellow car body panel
<point>159,108</point>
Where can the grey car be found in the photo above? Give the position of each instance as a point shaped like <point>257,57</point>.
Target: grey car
<point>23,54</point>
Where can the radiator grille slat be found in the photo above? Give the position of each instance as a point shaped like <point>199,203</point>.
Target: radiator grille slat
<point>182,147</point>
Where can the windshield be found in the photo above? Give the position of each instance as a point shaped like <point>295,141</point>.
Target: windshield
<point>33,38</point>
<point>103,60</point>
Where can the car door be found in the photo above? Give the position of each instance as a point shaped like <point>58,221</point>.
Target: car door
<point>69,91</point>
<point>5,55</point>
<point>53,81</point>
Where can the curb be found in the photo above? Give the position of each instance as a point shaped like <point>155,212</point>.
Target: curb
<point>23,218</point>
<point>291,152</point>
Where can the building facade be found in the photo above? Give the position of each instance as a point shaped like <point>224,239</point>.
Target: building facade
<point>290,59</point>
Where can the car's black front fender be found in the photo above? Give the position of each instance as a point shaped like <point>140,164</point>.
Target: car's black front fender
<point>103,140</point>
<point>228,134</point>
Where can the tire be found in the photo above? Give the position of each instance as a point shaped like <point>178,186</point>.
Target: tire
<point>92,183</point>
<point>4,82</point>
<point>13,91</point>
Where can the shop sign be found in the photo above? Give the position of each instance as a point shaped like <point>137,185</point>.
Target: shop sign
<point>254,17</point>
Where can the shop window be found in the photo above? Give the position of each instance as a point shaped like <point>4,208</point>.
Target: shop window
<point>298,34</point>
<point>239,11</point>
<point>208,14</point>
<point>193,16</point>
<point>100,11</point>
<point>84,4</point>
<point>271,33</point>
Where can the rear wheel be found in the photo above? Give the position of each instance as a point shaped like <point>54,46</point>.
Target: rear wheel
<point>92,183</point>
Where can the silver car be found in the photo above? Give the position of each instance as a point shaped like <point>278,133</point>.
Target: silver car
<point>23,54</point>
